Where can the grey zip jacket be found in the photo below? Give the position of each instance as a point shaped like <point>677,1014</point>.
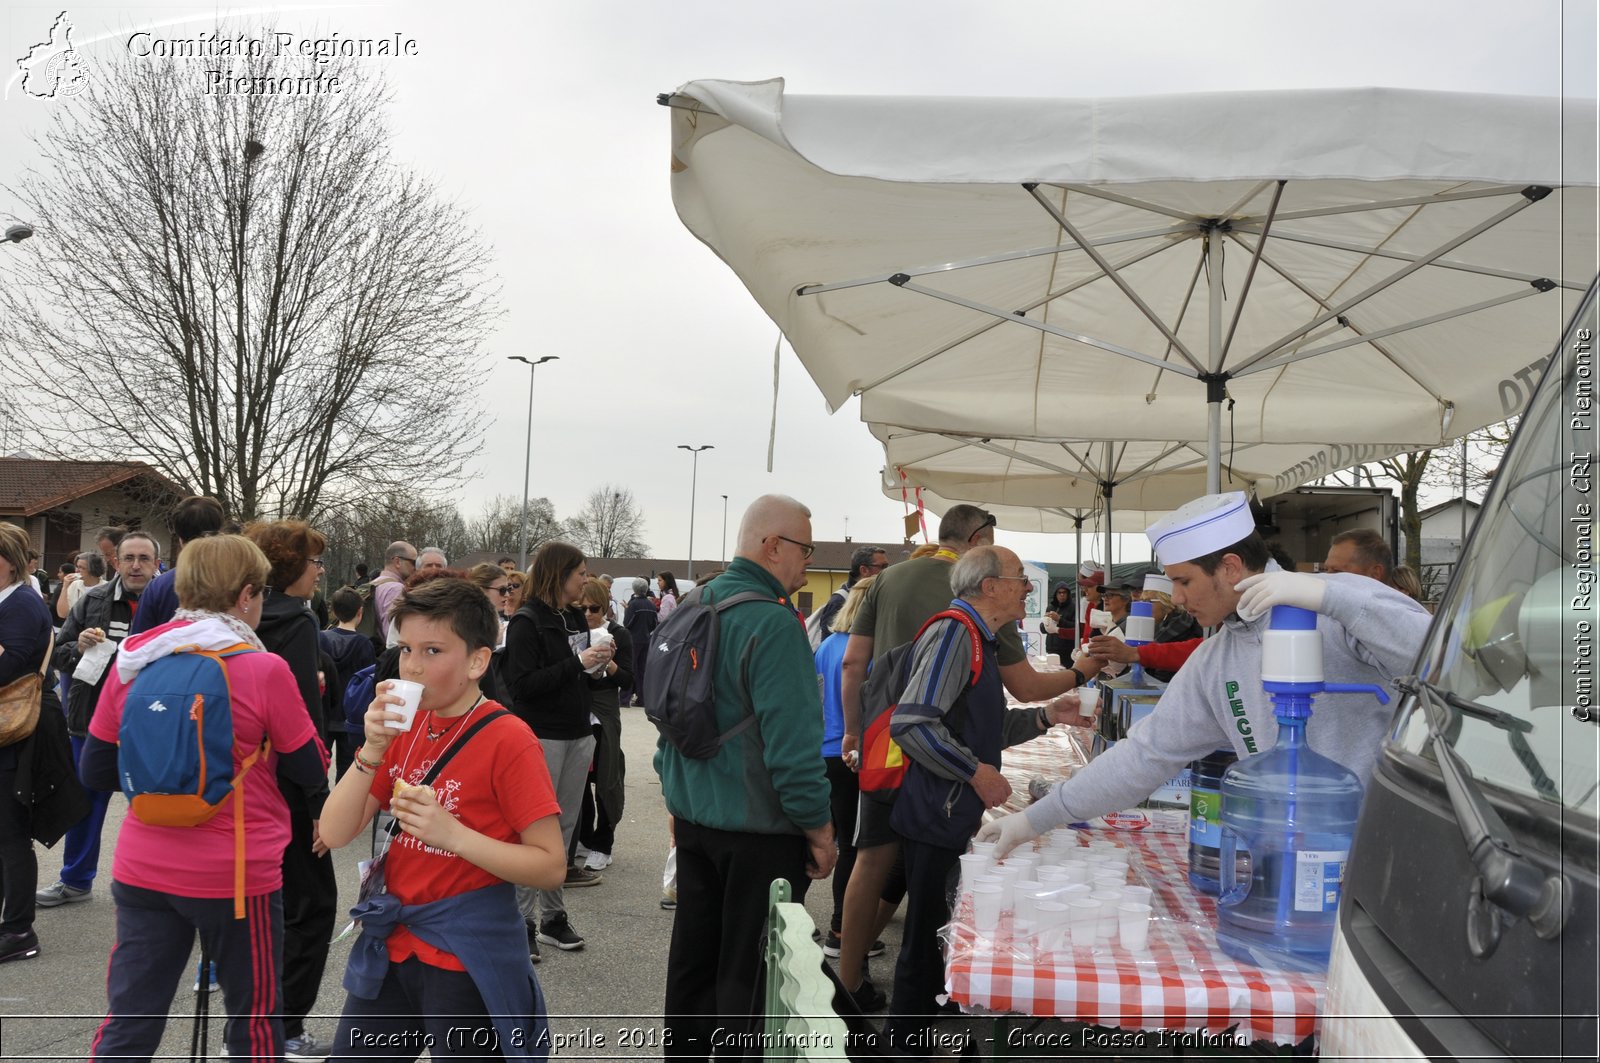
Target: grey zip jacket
<point>1370,634</point>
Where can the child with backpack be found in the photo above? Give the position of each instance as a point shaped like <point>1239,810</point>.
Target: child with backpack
<point>351,651</point>
<point>442,944</point>
<point>202,847</point>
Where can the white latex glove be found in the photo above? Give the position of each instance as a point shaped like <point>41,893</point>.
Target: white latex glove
<point>1266,589</point>
<point>1007,833</point>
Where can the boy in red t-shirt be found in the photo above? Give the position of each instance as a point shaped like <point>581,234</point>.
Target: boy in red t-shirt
<point>488,819</point>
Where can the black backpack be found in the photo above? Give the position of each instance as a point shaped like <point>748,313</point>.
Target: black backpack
<point>680,679</point>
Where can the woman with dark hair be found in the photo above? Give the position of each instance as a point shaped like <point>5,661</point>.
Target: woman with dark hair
<point>667,584</point>
<point>546,656</point>
<point>1057,624</point>
<point>288,628</point>
<point>602,791</point>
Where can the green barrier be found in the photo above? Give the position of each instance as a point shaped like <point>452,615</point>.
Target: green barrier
<point>800,1023</point>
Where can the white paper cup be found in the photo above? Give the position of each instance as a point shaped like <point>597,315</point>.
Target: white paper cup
<point>1078,871</point>
<point>1088,701</point>
<point>1110,880</point>
<point>1136,894</point>
<point>412,693</point>
<point>1025,900</point>
<point>1109,900</point>
<point>986,907</point>
<point>1051,914</point>
<point>972,865</point>
<point>1133,925</point>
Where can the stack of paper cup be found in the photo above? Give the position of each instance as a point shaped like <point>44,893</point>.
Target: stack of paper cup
<point>1133,924</point>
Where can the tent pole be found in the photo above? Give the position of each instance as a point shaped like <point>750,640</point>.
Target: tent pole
<point>1106,486</point>
<point>1216,380</point>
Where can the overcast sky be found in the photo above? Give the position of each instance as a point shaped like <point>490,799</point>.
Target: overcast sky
<point>540,118</point>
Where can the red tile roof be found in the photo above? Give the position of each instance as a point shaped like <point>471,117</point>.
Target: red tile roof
<point>30,486</point>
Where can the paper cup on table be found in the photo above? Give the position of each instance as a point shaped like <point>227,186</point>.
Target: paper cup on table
<point>1051,914</point>
<point>1025,900</point>
<point>985,849</point>
<point>1136,894</point>
<point>412,693</point>
<point>1084,919</point>
<point>1109,899</point>
<point>1110,879</point>
<point>1078,871</point>
<point>1008,878</point>
<point>972,865</point>
<point>1133,924</point>
<point>986,907</point>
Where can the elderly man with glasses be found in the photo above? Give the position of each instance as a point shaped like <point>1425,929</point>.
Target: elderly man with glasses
<point>952,729</point>
<point>399,562</point>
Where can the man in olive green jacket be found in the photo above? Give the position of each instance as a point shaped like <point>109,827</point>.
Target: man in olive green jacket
<point>758,809</point>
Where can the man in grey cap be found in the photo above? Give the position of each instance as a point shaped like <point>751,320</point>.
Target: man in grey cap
<point>1222,573</point>
<point>640,620</point>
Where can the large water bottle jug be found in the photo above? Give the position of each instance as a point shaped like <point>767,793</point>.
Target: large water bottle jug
<point>1205,819</point>
<point>1288,816</point>
<point>1140,630</point>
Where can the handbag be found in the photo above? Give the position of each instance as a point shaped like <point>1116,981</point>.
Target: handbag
<point>19,701</point>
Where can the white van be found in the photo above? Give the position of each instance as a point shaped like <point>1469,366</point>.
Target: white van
<point>1468,923</point>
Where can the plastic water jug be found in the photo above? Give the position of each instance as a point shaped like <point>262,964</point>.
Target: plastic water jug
<point>1288,816</point>
<point>1205,819</point>
<point>1140,629</point>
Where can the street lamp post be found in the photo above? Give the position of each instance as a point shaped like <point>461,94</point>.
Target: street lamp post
<point>527,451</point>
<point>694,483</point>
<point>724,531</point>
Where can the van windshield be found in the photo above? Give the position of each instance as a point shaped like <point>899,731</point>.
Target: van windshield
<point>1516,629</point>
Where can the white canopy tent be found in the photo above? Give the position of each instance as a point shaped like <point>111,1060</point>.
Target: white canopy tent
<point>1371,266</point>
<point>1073,479</point>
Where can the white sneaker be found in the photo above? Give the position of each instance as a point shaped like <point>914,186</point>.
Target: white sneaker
<point>598,861</point>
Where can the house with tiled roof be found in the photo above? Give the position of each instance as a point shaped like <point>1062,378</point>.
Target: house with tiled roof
<point>61,504</point>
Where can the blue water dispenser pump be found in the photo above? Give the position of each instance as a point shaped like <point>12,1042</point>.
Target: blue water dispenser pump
<point>1140,630</point>
<point>1289,814</point>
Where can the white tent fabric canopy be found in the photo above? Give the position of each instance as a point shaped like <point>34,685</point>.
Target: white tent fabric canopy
<point>988,266</point>
<point>1073,474</point>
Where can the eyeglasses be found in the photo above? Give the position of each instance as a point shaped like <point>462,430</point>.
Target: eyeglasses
<point>806,549</point>
<point>412,560</point>
<point>988,522</point>
<point>877,566</point>
<point>501,590</point>
<point>594,608</point>
<point>318,562</point>
<point>143,559</point>
<point>1024,579</point>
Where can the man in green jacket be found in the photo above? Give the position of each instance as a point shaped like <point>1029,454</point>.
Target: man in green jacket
<point>757,810</point>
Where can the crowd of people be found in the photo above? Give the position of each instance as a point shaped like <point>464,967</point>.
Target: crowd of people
<point>506,785</point>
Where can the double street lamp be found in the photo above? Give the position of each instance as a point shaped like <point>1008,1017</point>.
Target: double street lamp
<point>527,451</point>
<point>693,484</point>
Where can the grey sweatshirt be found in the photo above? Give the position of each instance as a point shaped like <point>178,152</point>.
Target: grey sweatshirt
<point>1370,634</point>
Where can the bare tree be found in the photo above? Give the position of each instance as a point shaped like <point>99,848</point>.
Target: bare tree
<point>610,524</point>
<point>248,290</point>
<point>498,524</point>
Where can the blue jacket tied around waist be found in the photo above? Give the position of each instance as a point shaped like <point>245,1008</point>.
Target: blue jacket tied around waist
<point>483,929</point>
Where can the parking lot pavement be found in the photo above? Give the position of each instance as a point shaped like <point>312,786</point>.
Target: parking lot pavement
<point>609,992</point>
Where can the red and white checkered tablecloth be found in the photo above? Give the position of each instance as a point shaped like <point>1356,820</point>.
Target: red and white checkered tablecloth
<point>1182,981</point>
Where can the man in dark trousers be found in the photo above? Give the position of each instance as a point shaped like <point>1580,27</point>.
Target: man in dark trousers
<point>758,809</point>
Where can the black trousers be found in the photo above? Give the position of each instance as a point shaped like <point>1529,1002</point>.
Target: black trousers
<point>716,961</point>
<point>310,904</point>
<point>19,867</point>
<point>150,959</point>
<point>919,971</point>
<point>418,1007</point>
<point>843,797</point>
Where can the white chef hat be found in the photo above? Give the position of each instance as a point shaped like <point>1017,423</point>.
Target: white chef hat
<point>1204,526</point>
<point>1089,570</point>
<point>1155,581</point>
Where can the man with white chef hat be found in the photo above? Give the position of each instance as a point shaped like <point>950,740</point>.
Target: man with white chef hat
<point>1223,575</point>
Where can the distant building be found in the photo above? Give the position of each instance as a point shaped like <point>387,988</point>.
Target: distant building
<point>61,504</point>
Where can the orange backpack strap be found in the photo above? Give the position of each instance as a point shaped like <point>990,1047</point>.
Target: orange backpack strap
<point>238,824</point>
